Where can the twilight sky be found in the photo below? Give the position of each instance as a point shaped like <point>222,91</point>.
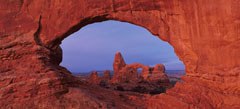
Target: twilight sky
<point>93,47</point>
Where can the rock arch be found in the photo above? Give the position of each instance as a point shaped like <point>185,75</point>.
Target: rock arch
<point>202,32</point>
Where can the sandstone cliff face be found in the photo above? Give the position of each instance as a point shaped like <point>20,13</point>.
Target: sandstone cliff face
<point>204,34</point>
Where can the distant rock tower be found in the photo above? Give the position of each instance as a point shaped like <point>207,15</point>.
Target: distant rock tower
<point>118,63</point>
<point>94,78</point>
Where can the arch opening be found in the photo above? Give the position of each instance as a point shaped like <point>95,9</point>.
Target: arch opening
<point>98,42</point>
<point>139,71</point>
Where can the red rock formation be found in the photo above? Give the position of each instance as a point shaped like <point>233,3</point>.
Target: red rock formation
<point>118,64</point>
<point>158,74</point>
<point>204,34</point>
<point>159,68</point>
<point>94,78</point>
<point>126,74</point>
<point>145,72</point>
<point>150,80</point>
<point>106,75</point>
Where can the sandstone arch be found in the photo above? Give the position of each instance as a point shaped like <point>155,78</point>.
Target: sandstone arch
<point>202,32</point>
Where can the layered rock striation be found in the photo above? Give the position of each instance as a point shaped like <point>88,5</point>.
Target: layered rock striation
<point>204,34</point>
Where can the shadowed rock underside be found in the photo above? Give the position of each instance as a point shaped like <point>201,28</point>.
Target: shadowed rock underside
<point>204,34</point>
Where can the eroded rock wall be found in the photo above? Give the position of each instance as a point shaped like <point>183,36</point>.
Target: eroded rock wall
<point>204,34</point>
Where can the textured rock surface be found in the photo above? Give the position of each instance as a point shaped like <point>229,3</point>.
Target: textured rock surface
<point>94,78</point>
<point>118,64</point>
<point>158,74</point>
<point>127,77</point>
<point>127,74</point>
<point>204,34</point>
<point>106,75</point>
<point>130,72</point>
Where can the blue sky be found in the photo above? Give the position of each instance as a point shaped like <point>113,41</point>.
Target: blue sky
<point>93,47</point>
